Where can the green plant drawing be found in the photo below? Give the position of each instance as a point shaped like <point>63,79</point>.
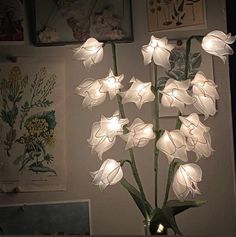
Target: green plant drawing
<point>40,134</point>
<point>11,90</point>
<point>41,88</point>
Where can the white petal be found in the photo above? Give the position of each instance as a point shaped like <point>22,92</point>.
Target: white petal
<point>147,52</point>
<point>161,57</point>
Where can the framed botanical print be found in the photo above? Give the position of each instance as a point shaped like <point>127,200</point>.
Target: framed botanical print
<point>60,22</point>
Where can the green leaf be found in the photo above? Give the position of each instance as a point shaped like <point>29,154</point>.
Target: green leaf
<point>40,168</point>
<point>137,197</point>
<point>180,206</point>
<point>18,159</point>
<point>196,60</point>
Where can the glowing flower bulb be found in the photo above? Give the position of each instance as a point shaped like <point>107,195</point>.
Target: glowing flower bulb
<point>173,145</point>
<point>109,173</point>
<point>217,43</point>
<point>91,52</point>
<point>112,84</point>
<point>139,134</point>
<point>139,93</point>
<point>175,94</point>
<point>91,91</point>
<point>205,94</point>
<point>185,180</point>
<point>159,50</point>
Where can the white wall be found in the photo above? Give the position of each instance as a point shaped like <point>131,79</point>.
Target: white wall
<point>113,211</point>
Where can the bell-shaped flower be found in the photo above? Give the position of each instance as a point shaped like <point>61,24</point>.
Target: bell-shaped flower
<point>185,180</point>
<point>112,84</point>
<point>91,91</point>
<point>159,50</point>
<point>103,134</point>
<point>139,134</point>
<point>139,93</point>
<point>200,145</point>
<point>100,144</point>
<point>175,94</point>
<point>109,173</point>
<point>205,95</point>
<point>112,126</point>
<point>192,127</point>
<point>173,145</point>
<point>91,52</point>
<point>217,43</point>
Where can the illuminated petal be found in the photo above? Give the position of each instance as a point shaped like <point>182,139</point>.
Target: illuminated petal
<point>139,93</point>
<point>185,180</point>
<point>173,144</point>
<point>91,52</point>
<point>109,173</point>
<point>147,52</point>
<point>216,43</point>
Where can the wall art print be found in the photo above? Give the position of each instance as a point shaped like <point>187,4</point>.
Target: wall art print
<point>59,22</point>
<point>174,14</point>
<point>32,125</point>
<point>11,22</point>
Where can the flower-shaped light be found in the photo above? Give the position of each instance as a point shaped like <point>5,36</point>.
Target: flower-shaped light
<point>91,52</point>
<point>173,144</point>
<point>109,173</point>
<point>217,43</point>
<point>159,49</point>
<point>198,137</point>
<point>139,134</point>
<point>185,180</point>
<point>205,94</point>
<point>112,84</point>
<point>175,94</point>
<point>91,91</point>
<point>103,134</point>
<point>139,93</point>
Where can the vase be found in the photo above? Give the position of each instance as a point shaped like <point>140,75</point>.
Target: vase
<point>151,228</point>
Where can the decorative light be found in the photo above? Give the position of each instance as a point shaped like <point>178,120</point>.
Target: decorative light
<point>91,52</point>
<point>175,94</point>
<point>103,134</point>
<point>109,173</point>
<point>217,43</point>
<point>139,93</point>
<point>173,144</point>
<point>112,84</point>
<point>205,94</point>
<point>159,50</point>
<point>139,134</point>
<point>91,91</point>
<point>185,180</point>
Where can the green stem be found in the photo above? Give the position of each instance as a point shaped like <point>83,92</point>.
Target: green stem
<point>131,153</point>
<point>157,127</point>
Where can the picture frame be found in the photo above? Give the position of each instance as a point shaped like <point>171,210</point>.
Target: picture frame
<point>174,15</point>
<point>57,22</point>
<point>12,17</point>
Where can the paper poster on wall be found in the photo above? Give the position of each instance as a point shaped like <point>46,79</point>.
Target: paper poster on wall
<point>32,125</point>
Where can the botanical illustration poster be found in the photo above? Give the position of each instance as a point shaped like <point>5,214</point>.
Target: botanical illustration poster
<point>199,60</point>
<point>174,14</point>
<point>11,21</point>
<point>32,125</point>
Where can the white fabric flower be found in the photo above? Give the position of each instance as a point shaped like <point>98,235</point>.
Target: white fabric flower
<point>185,180</point>
<point>173,144</point>
<point>159,50</point>
<point>91,52</point>
<point>109,173</point>
<point>91,91</point>
<point>139,93</point>
<point>139,134</point>
<point>103,134</point>
<point>205,94</point>
<point>175,94</point>
<point>112,84</point>
<point>198,137</point>
<point>217,43</point>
